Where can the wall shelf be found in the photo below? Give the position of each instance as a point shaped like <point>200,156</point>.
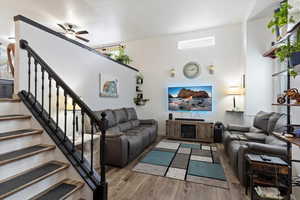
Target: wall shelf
<point>279,73</point>
<point>270,53</point>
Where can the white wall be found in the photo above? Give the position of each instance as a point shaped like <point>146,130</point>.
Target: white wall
<point>156,56</point>
<point>78,67</point>
<point>258,68</point>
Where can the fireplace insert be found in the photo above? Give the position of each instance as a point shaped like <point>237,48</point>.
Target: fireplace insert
<point>188,131</point>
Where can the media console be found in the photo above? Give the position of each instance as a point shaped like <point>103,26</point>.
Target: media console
<point>192,130</point>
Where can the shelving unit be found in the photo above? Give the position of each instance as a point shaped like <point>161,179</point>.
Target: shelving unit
<point>139,99</point>
<point>271,53</point>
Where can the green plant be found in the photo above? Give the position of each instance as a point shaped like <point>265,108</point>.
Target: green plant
<point>280,17</point>
<point>284,51</point>
<point>122,57</point>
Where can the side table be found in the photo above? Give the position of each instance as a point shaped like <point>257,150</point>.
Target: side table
<point>266,171</point>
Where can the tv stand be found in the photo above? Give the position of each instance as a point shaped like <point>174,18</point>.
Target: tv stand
<point>190,119</point>
<point>190,129</point>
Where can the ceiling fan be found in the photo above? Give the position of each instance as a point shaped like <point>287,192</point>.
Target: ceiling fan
<point>69,31</point>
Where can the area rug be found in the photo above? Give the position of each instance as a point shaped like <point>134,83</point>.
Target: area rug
<point>198,163</point>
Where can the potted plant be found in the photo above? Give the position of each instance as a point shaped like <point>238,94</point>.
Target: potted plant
<point>121,56</point>
<point>281,19</point>
<point>293,53</point>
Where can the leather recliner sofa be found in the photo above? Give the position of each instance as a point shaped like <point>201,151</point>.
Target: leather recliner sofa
<point>241,140</point>
<point>127,136</point>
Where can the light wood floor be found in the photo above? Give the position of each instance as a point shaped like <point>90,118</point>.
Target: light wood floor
<point>124,184</point>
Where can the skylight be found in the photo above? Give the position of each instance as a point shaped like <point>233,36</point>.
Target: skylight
<point>196,43</point>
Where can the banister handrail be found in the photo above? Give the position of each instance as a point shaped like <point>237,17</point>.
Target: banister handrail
<point>97,183</point>
<point>69,91</point>
<point>57,34</point>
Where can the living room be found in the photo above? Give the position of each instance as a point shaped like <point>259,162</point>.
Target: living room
<point>198,101</point>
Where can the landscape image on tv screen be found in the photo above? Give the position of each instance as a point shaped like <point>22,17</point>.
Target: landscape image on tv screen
<point>194,98</point>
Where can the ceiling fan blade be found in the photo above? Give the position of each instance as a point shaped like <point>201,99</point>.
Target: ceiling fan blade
<point>82,32</point>
<point>81,38</point>
<point>62,26</point>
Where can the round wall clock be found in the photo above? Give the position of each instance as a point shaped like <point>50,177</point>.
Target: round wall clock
<point>191,70</point>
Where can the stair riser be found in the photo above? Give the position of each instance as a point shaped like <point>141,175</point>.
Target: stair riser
<point>11,125</point>
<point>7,108</point>
<point>16,167</point>
<point>36,188</point>
<point>19,143</point>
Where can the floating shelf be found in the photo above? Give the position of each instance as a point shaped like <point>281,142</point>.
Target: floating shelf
<point>277,104</point>
<point>270,53</point>
<point>279,73</point>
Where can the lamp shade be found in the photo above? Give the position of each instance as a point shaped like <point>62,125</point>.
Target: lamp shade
<point>235,90</point>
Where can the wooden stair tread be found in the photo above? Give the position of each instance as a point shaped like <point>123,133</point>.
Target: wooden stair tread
<point>24,153</point>
<point>10,100</point>
<point>14,117</point>
<point>25,179</point>
<point>19,133</point>
<point>59,191</point>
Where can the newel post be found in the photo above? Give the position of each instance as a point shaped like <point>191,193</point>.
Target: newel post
<point>104,125</point>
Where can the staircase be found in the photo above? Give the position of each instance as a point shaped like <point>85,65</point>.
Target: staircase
<point>31,166</point>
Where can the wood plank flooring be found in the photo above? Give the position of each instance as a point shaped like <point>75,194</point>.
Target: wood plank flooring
<point>124,184</point>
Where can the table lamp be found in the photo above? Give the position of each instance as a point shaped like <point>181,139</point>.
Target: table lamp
<point>234,90</point>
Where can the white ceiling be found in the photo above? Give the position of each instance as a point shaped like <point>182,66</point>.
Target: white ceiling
<point>111,21</point>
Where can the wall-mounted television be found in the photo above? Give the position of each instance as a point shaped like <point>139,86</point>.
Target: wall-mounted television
<point>190,98</point>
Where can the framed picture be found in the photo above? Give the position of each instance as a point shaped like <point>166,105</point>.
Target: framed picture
<point>109,85</point>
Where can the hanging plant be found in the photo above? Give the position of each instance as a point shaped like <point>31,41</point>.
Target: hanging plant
<point>280,17</point>
<point>292,52</point>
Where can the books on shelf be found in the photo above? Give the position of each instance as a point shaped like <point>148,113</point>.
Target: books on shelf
<point>268,193</point>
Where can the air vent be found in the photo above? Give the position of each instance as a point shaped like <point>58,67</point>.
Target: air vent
<point>196,43</point>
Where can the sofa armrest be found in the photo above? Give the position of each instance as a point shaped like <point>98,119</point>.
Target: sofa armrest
<point>235,127</point>
<point>147,122</point>
<point>116,149</point>
<point>267,149</point>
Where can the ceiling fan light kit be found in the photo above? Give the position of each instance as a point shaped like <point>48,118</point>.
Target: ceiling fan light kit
<point>71,33</point>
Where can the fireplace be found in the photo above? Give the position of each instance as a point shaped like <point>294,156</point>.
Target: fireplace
<point>188,131</point>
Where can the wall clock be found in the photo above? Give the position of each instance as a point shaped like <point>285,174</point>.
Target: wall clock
<point>191,70</point>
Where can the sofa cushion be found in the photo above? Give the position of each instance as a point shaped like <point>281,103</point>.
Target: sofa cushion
<point>125,126</point>
<point>135,123</point>
<point>261,120</point>
<point>235,127</point>
<point>131,113</point>
<point>255,137</point>
<point>146,135</point>
<point>273,121</point>
<point>274,141</point>
<point>121,115</point>
<point>255,130</point>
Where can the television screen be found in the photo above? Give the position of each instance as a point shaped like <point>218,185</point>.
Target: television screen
<point>193,98</point>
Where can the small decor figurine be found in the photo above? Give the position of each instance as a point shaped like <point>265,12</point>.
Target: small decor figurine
<point>292,93</point>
